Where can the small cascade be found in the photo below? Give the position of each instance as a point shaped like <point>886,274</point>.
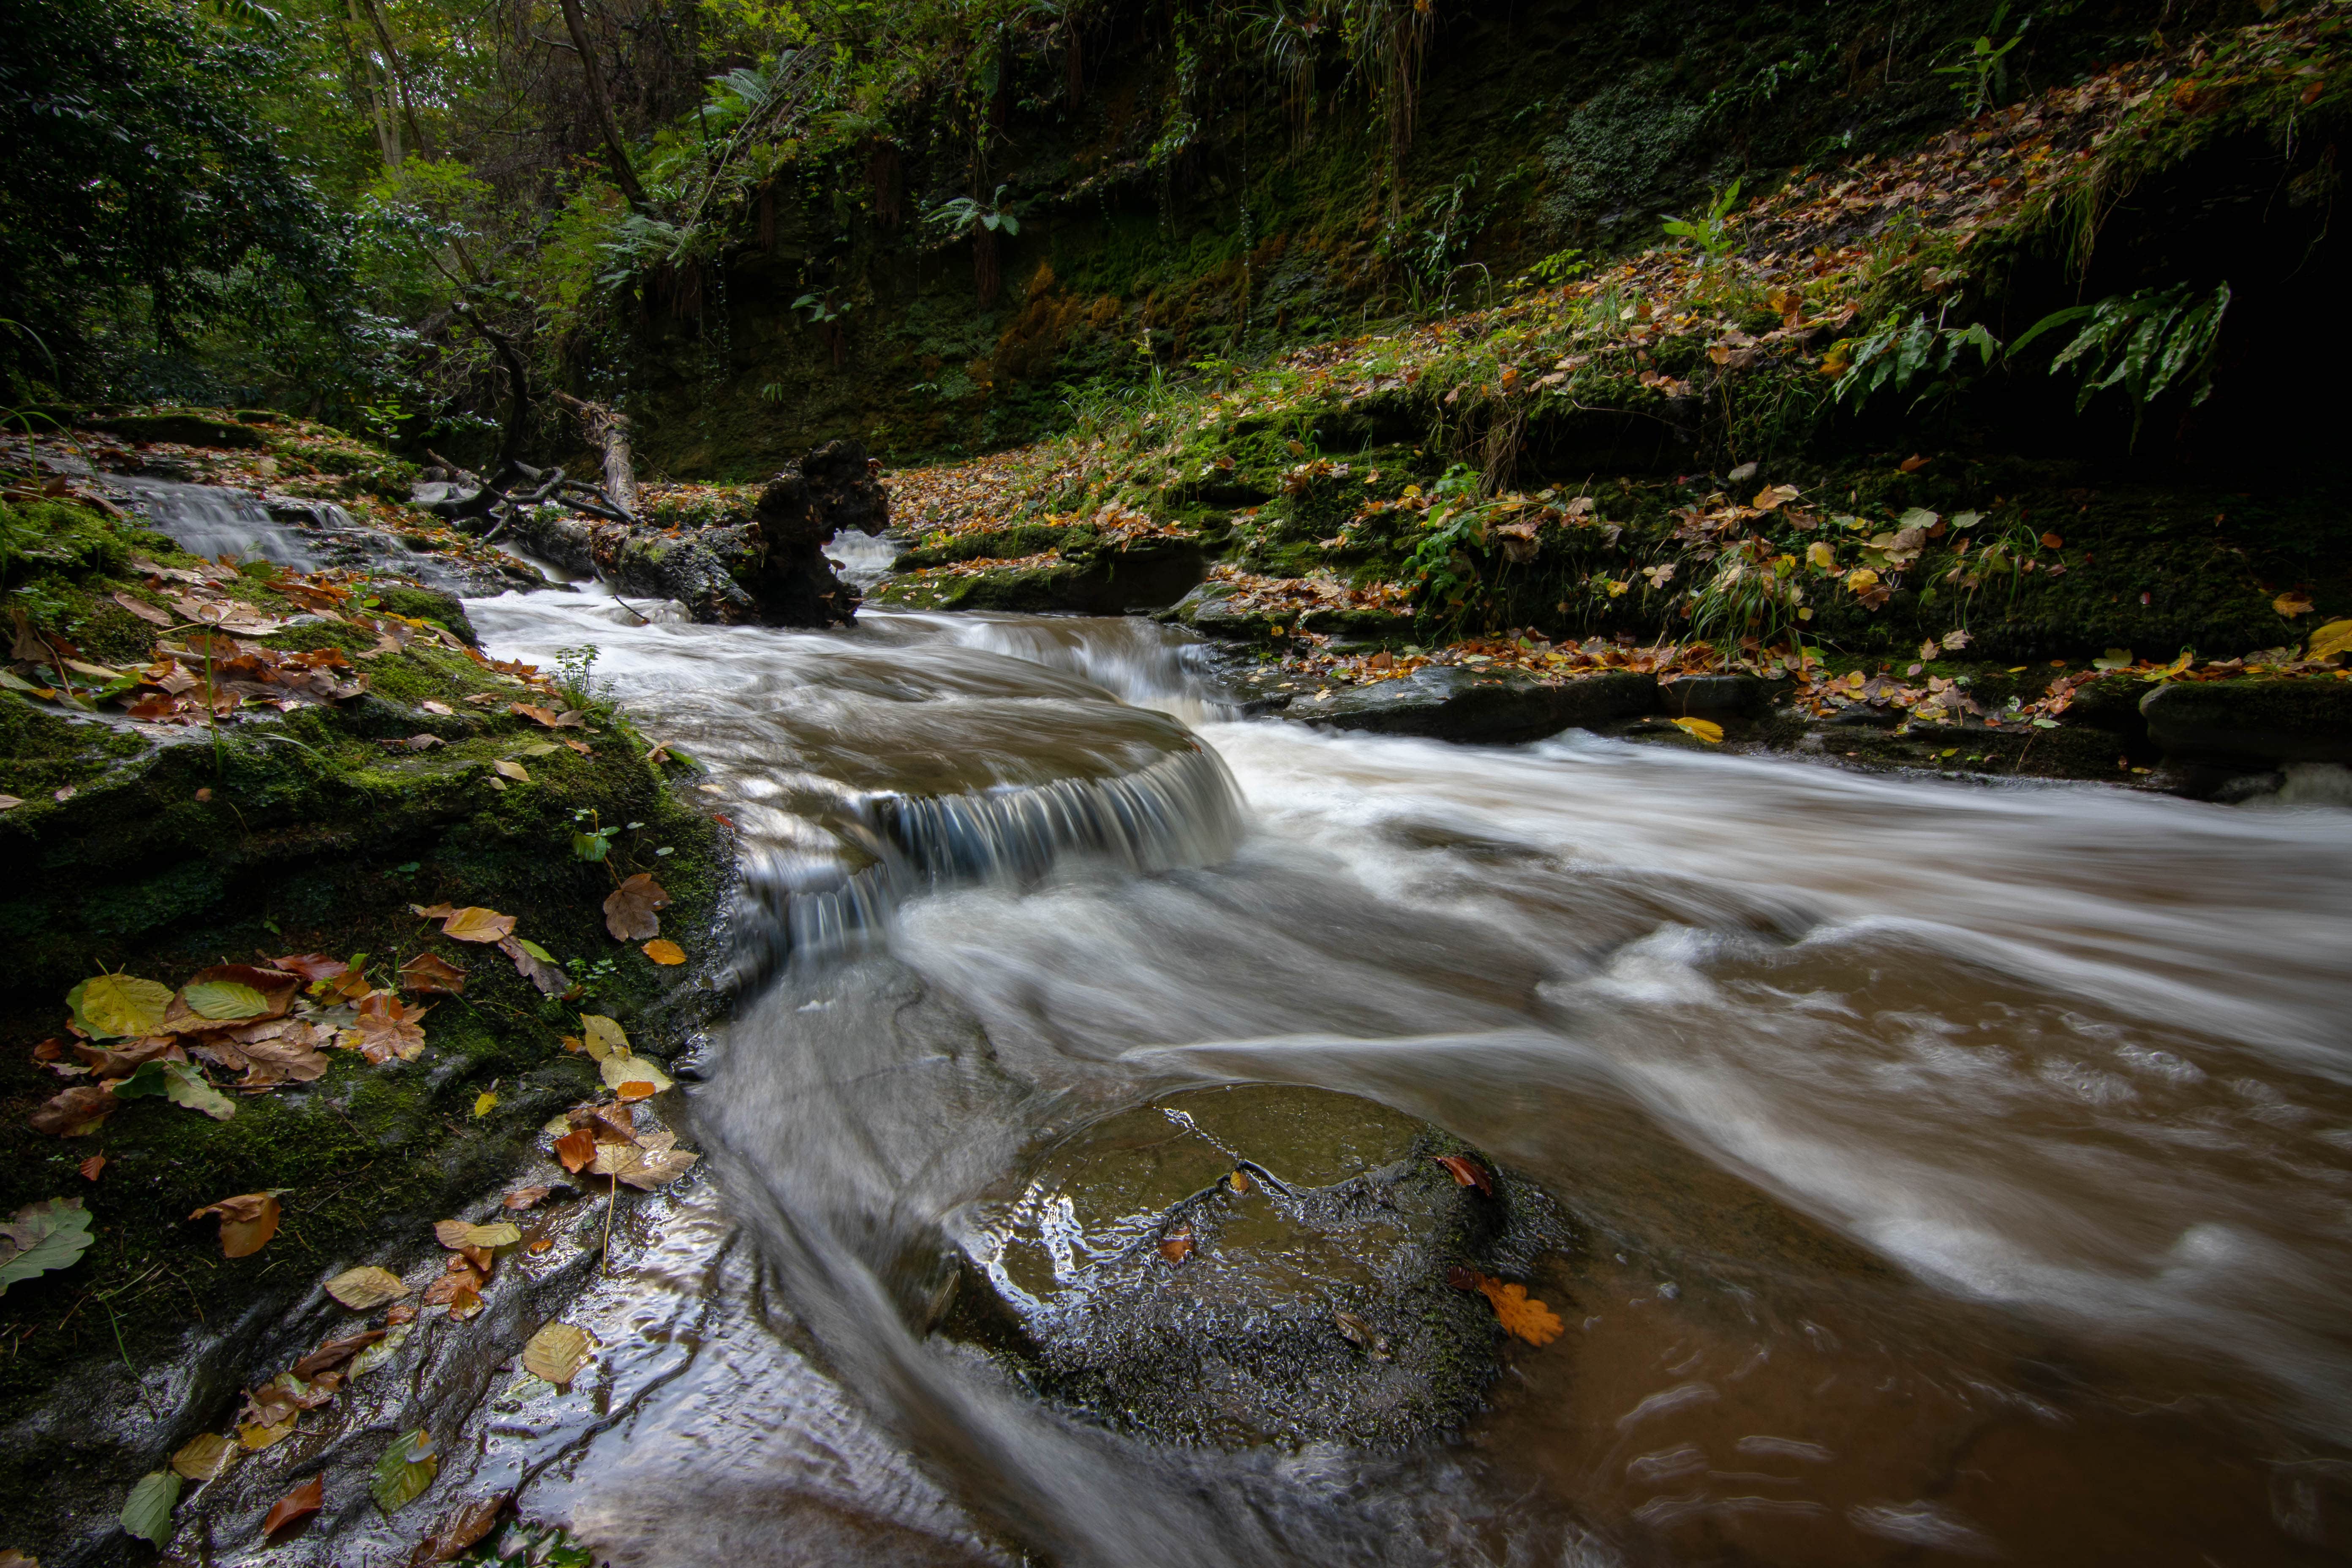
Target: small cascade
<point>212,521</point>
<point>1181,810</point>
<point>863,560</point>
<point>1138,661</point>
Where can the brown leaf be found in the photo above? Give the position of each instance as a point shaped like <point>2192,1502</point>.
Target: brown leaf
<point>576,1149</point>
<point>75,1112</point>
<point>335,1352</point>
<point>247,1222</point>
<point>143,610</point>
<point>443,1291</point>
<point>386,1027</point>
<point>301,1503</point>
<point>459,1232</point>
<point>557,1353</point>
<point>551,980</point>
<point>461,1530</point>
<point>524,1197</point>
<point>366,1288</point>
<point>430,972</point>
<point>308,965</point>
<point>1177,1245</point>
<point>1912,464</point>
<point>548,717</point>
<point>1468,1172</point>
<point>93,1166</point>
<point>509,770</point>
<point>629,909</point>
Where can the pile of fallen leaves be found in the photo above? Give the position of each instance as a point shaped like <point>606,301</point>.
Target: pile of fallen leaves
<point>1289,600</point>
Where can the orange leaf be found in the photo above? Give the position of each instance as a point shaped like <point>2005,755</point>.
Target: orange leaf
<point>430,972</point>
<point>93,1166</point>
<point>1518,1312</point>
<point>1912,464</point>
<point>247,1222</point>
<point>636,1089</point>
<point>301,1503</point>
<point>2051,541</point>
<point>575,1149</point>
<point>661,950</point>
<point>1468,1172</point>
<point>1177,1245</point>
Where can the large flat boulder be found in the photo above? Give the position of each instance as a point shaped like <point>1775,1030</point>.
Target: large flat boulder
<point>2251,723</point>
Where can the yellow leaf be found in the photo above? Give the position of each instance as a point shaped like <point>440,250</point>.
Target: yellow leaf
<point>255,1438</point>
<point>621,1070</point>
<point>557,1353</point>
<point>456,1233</point>
<point>476,923</point>
<point>1819,553</point>
<point>514,771</point>
<point>2329,640</point>
<point>1707,730</point>
<point>366,1288</point>
<point>661,950</point>
<point>486,1103</point>
<point>604,1036</point>
<point>205,1456</point>
<point>1519,1313</point>
<point>2292,605</point>
<point>1862,580</point>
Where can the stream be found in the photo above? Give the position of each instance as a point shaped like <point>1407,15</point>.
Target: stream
<point>1958,1171</point>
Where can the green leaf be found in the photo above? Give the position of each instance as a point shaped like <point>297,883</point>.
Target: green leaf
<point>42,1238</point>
<point>112,1006</point>
<point>2056,319</point>
<point>533,949</point>
<point>406,1469</point>
<point>224,1001</point>
<point>589,845</point>
<point>182,1084</point>
<point>147,1512</point>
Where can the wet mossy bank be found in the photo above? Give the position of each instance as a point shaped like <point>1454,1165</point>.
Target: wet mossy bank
<point>159,850</point>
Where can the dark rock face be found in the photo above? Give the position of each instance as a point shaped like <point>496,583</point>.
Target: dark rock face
<point>790,583</point>
<point>1451,703</point>
<point>1716,697</point>
<point>2251,724</point>
<point>1317,1300</point>
<point>1145,574</point>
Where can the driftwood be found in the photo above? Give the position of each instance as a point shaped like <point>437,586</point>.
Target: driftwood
<point>768,566</point>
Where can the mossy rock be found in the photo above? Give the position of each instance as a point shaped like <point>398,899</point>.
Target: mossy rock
<point>186,430</point>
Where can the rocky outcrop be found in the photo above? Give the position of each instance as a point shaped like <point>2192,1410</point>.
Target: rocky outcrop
<point>789,581</point>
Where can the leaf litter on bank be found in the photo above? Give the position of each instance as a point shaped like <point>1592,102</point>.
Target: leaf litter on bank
<point>630,909</point>
<point>247,1222</point>
<point>203,1457</point>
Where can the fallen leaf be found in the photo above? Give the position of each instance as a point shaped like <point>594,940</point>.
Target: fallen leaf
<point>475,923</point>
<point>147,1512</point>
<point>525,1198</point>
<point>1820,554</point>
<point>463,1529</point>
<point>406,1469</point>
<point>366,1288</point>
<point>659,1168</point>
<point>308,965</point>
<point>2329,640</point>
<point>663,950</point>
<point>620,1072</point>
<point>514,771</point>
<point>230,994</point>
<point>548,717</point>
<point>617,1159</point>
<point>384,1028</point>
<point>2292,605</point>
<point>1177,1245</point>
<point>204,1455</point>
<point>335,1352</point>
<point>460,1279</point>
<point>1239,1181</point>
<point>1519,1314</point>
<point>534,963</point>
<point>253,1437</point>
<point>557,1353</point>
<point>42,1238</point>
<point>629,909</point>
<point>181,1083</point>
<point>2114,659</point>
<point>434,706</point>
<point>430,972</point>
<point>143,610</point>
<point>455,1233</point>
<point>485,1102</point>
<point>1360,1334</point>
<point>93,1166</point>
<point>247,1222</point>
<point>301,1503</point>
<point>112,1006</point>
<point>1707,730</point>
<point>1912,464</point>
<point>603,1036</point>
<point>75,1112</point>
<point>576,1149</point>
<point>1467,1173</point>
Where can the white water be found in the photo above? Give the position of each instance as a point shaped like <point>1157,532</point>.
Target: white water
<point>1964,1169</point>
<point>212,521</point>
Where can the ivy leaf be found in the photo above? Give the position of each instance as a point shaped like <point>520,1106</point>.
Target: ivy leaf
<point>42,1238</point>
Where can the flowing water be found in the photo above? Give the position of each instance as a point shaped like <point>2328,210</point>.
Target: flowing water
<point>1959,1172</point>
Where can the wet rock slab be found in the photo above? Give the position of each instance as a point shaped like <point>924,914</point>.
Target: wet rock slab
<point>1134,1279</point>
<point>1448,702</point>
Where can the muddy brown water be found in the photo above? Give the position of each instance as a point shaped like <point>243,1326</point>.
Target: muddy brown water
<point>1960,1172</point>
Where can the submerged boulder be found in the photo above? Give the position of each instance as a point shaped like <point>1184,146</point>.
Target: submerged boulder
<point>1255,1265</point>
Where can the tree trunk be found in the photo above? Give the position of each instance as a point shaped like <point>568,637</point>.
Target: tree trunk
<point>399,79</point>
<point>608,430</point>
<point>616,149</point>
